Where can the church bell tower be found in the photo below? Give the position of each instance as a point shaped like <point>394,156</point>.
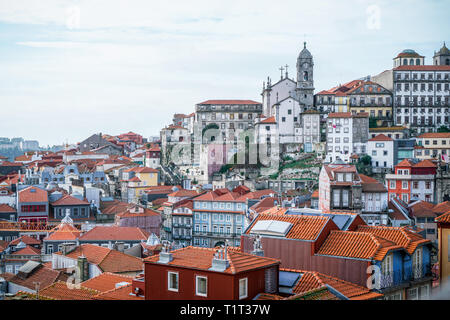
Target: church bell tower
<point>305,79</point>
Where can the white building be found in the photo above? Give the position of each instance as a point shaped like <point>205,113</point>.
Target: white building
<point>347,134</point>
<point>381,150</point>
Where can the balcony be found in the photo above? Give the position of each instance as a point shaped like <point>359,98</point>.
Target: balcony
<point>403,278</point>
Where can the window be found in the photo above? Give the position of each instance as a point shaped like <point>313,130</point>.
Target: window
<point>201,286</point>
<point>412,294</point>
<point>172,279</point>
<point>243,288</point>
<point>50,249</point>
<point>404,184</point>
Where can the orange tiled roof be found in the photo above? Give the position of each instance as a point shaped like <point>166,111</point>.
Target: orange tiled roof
<point>303,227</point>
<point>68,200</point>
<point>381,137</point>
<point>445,218</point>
<point>6,208</point>
<point>120,293</point>
<point>404,163</point>
<point>106,281</point>
<point>106,259</point>
<point>183,193</point>
<point>45,276</point>
<point>435,135</point>
<point>371,185</point>
<point>401,236</point>
<point>201,258</point>
<point>357,245</point>
<point>63,231</point>
<point>442,207</point>
<point>25,239</point>
<point>426,164</point>
<point>28,195</point>
<point>269,120</point>
<point>423,68</point>
<point>340,115</point>
<point>114,233</point>
<point>28,250</point>
<point>310,280</point>
<point>60,291</point>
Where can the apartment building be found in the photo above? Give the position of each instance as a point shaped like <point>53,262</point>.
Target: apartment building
<point>347,134</point>
<point>433,146</point>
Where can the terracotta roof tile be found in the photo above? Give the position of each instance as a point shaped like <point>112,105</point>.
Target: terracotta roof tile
<point>114,233</point>
<point>310,280</point>
<point>6,208</point>
<point>381,137</point>
<point>303,227</point>
<point>106,281</point>
<point>28,250</point>
<point>63,231</point>
<point>121,293</point>
<point>33,194</point>
<point>201,258</point>
<point>60,291</point>
<point>357,245</point>
<point>445,218</point>
<point>68,200</point>
<point>25,239</point>
<point>401,236</point>
<point>46,276</point>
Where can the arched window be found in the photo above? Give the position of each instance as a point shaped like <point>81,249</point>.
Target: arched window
<point>411,62</point>
<point>405,62</point>
<point>305,75</point>
<point>447,62</point>
<point>417,62</point>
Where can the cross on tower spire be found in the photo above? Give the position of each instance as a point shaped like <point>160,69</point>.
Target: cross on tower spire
<point>281,69</point>
<point>286,70</point>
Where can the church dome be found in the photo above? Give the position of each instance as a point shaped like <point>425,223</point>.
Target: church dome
<point>305,54</point>
<point>444,50</point>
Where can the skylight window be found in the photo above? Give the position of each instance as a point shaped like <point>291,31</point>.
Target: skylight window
<point>271,227</point>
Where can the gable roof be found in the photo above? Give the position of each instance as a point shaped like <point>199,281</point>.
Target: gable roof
<point>105,281</point>
<point>33,194</point>
<point>371,185</point>
<point>306,228</point>
<point>28,250</point>
<point>201,259</point>
<point>356,245</point>
<point>62,232</point>
<point>114,233</point>
<point>60,291</point>
<point>68,200</point>
<point>45,276</point>
<point>106,259</point>
<point>401,236</point>
<point>445,218</point>
<point>120,293</point>
<point>4,208</point>
<point>25,239</point>
<point>381,137</point>
<point>310,280</point>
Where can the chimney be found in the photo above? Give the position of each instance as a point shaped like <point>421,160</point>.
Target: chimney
<point>220,259</point>
<point>119,246</point>
<point>83,267</point>
<point>67,248</point>
<point>257,247</point>
<point>165,256</point>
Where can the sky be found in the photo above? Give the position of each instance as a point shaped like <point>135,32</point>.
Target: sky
<point>71,68</point>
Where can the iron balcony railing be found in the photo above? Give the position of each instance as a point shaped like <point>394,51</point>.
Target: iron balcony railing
<point>399,277</point>
<point>216,234</point>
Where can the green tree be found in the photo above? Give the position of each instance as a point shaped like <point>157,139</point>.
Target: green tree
<point>443,129</point>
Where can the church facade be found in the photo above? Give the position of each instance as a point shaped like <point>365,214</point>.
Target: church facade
<point>288,108</point>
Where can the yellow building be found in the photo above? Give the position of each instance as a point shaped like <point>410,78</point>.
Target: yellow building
<point>433,146</point>
<point>443,223</point>
<point>373,99</point>
<point>136,180</point>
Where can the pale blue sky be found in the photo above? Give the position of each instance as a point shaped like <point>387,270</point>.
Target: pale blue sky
<point>129,65</point>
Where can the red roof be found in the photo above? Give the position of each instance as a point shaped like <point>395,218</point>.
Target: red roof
<point>4,208</point>
<point>229,102</point>
<point>60,291</point>
<point>310,280</point>
<point>183,193</point>
<point>435,135</point>
<point>357,245</point>
<point>381,137</point>
<point>106,259</point>
<point>340,115</point>
<point>120,293</point>
<point>423,68</point>
<point>25,239</point>
<point>28,250</point>
<point>105,281</point>
<point>63,231</point>
<point>445,218</point>
<point>201,258</point>
<point>33,194</point>
<point>303,227</point>
<point>425,164</point>
<point>404,163</point>
<point>269,120</point>
<point>114,233</point>
<point>68,200</point>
